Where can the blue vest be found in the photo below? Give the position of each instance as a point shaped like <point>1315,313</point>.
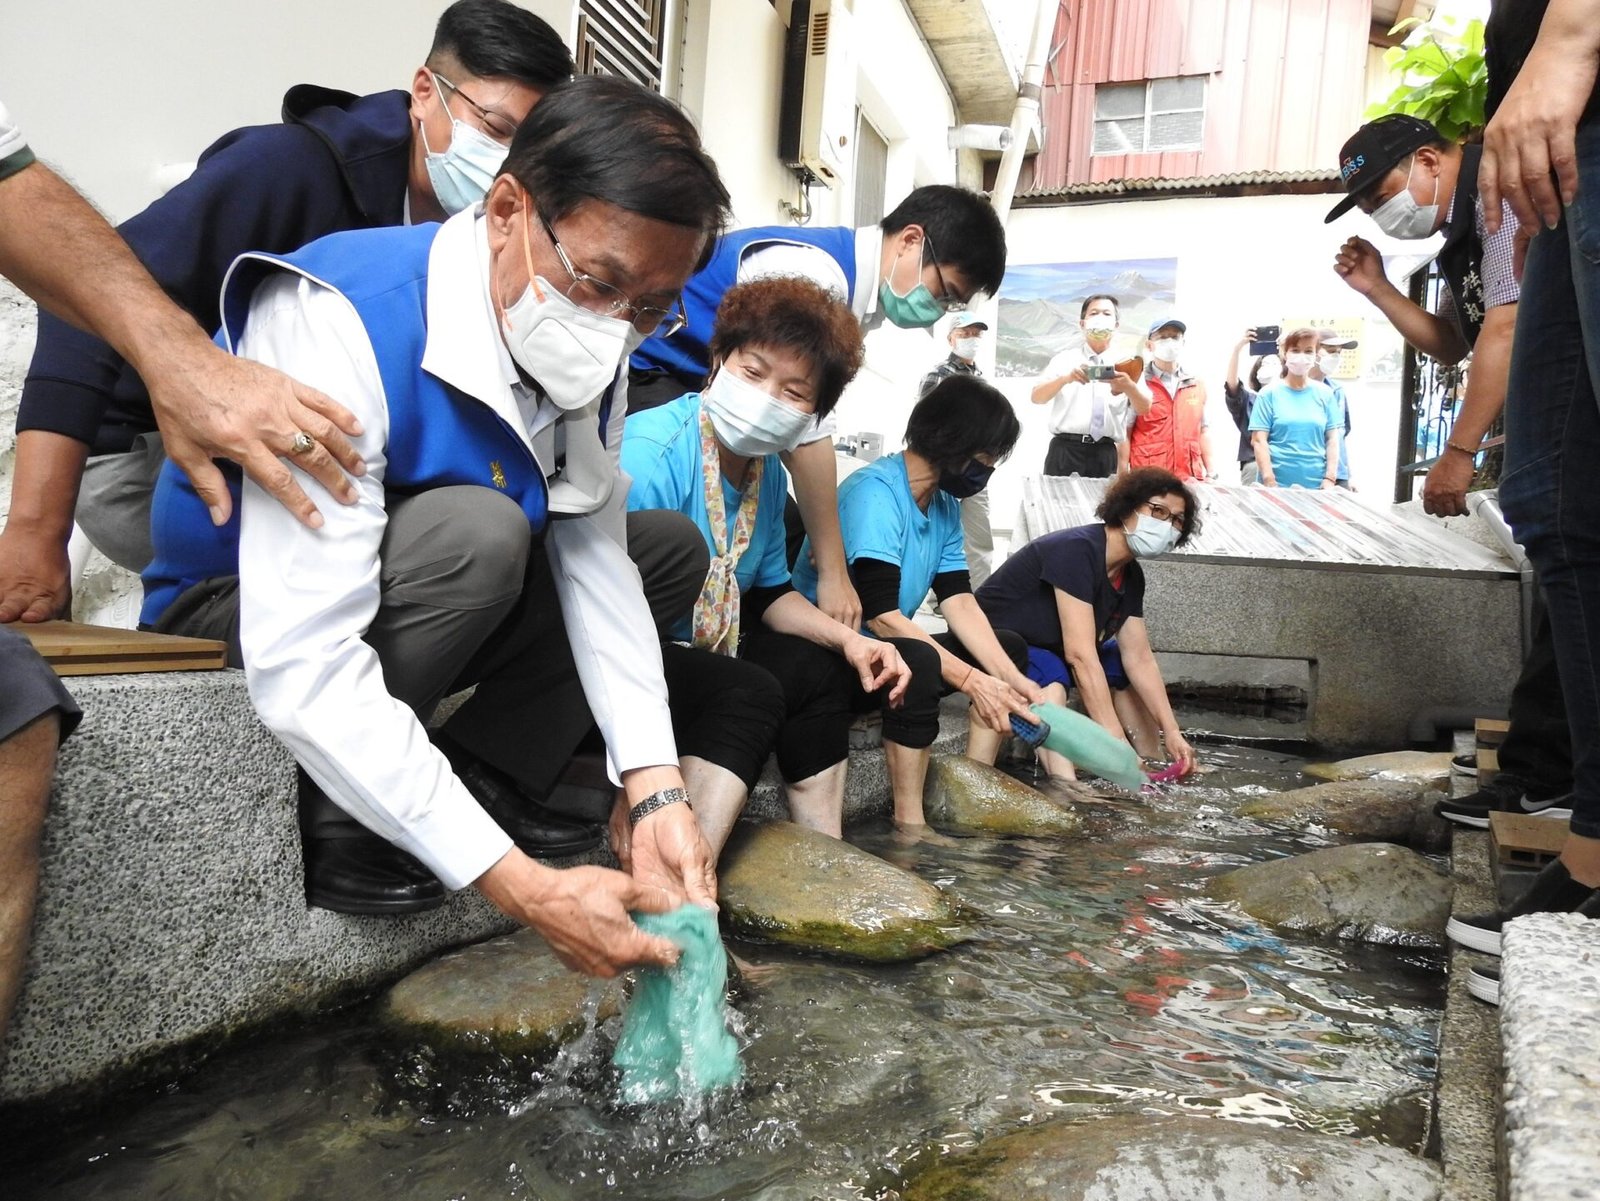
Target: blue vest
<point>438,435</point>
<point>686,352</point>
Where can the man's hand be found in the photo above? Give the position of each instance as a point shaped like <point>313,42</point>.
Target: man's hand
<point>836,597</point>
<point>1533,136</point>
<point>878,664</point>
<point>582,912</point>
<point>1360,265</point>
<point>669,851</point>
<point>1444,492</point>
<point>35,577</point>
<point>1123,384</point>
<point>996,701</point>
<point>1078,375</point>
<point>1267,480</point>
<point>212,405</point>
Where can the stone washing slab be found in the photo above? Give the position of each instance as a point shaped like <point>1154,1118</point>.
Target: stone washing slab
<point>172,913</point>
<point>1549,1013</point>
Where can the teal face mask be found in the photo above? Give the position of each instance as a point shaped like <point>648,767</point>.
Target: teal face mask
<point>917,309</point>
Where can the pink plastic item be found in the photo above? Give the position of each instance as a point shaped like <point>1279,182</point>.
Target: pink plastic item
<point>1169,773</point>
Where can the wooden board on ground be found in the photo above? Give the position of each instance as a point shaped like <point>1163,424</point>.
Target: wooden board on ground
<point>80,650</point>
<point>1525,840</point>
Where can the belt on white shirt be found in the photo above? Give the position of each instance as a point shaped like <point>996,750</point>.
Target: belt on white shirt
<point>1085,438</point>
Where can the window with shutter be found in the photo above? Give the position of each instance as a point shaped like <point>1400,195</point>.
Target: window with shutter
<point>623,37</point>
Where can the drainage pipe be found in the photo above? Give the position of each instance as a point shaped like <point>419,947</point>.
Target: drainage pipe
<point>1026,112</point>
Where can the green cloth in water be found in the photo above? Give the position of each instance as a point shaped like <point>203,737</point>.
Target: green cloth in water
<point>1090,746</point>
<point>675,1040</point>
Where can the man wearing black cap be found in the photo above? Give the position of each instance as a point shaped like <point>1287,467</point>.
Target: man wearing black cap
<point>1413,182</point>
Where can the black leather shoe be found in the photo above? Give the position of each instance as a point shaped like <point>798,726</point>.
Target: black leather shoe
<point>367,875</point>
<point>536,829</point>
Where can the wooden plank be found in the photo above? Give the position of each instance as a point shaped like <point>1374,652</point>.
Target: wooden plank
<point>82,650</point>
<point>1490,731</point>
<point>1525,840</point>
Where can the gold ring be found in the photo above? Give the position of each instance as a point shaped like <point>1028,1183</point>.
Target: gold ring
<point>301,443</point>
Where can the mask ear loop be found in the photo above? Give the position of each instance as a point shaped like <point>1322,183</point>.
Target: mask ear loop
<point>527,246</point>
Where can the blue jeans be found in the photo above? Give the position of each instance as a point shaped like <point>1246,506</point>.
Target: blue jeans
<point>1553,453</point>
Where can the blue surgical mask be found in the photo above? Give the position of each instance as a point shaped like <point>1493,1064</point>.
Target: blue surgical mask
<point>969,481</point>
<point>461,173</point>
<point>917,309</point>
<point>1151,536</point>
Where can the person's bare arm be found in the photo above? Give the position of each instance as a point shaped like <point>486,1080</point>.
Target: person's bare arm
<point>1444,492</point>
<point>1082,654</point>
<point>1045,390</point>
<point>58,250</point>
<point>1530,155</point>
<point>35,577</point>
<point>1330,465</point>
<point>1139,399</point>
<point>1144,674</point>
<point>1258,443</point>
<point>1361,266</point>
<point>816,491</point>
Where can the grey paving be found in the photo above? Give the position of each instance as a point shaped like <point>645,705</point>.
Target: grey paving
<point>1549,1019</point>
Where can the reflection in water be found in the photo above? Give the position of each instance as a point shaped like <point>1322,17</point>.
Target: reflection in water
<point>1102,982</point>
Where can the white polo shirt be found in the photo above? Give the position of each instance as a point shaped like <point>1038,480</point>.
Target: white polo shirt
<point>1090,409</point>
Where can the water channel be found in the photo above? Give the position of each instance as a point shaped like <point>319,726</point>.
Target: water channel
<point>1102,981</point>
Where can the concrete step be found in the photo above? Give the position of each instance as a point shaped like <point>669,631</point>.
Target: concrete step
<point>171,913</point>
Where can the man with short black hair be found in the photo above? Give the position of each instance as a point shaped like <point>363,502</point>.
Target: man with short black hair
<point>941,246</point>
<point>337,161</point>
<point>1089,413</point>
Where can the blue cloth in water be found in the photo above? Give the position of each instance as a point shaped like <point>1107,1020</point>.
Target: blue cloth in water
<point>675,1040</point>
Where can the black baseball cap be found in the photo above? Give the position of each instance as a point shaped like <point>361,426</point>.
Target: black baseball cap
<point>1376,149</point>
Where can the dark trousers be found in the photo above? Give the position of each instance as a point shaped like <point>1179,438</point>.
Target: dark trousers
<point>1015,647</point>
<point>822,694</point>
<point>1073,454</point>
<point>652,389</point>
<point>726,711</point>
<point>1536,755</point>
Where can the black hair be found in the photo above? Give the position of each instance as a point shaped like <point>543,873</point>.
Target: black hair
<point>494,39</point>
<point>1083,309</point>
<point>1127,493</point>
<point>962,228</point>
<point>960,418</point>
<point>600,137</point>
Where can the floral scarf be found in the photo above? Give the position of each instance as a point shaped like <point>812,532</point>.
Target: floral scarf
<point>716,612</point>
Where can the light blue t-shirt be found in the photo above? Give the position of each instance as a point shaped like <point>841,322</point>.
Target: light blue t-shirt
<point>661,451</point>
<point>1297,421</point>
<point>880,520</point>
<point>1341,407</point>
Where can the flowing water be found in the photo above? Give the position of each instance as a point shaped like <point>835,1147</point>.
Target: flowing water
<point>1101,981</point>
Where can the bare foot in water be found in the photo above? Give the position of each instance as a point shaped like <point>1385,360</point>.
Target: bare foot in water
<point>909,836</point>
<point>755,974</point>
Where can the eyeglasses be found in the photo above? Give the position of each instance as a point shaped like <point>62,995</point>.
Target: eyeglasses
<point>945,299</point>
<point>1161,513</point>
<point>598,296</point>
<point>499,127</point>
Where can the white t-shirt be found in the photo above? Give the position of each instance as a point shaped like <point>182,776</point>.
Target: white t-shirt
<point>11,139</point>
<point>1091,408</point>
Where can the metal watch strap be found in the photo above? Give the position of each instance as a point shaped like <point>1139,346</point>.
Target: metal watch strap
<point>657,800</point>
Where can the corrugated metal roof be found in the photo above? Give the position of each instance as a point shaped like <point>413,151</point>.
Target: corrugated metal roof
<point>1285,83</point>
<point>1235,179</point>
<point>1288,526</point>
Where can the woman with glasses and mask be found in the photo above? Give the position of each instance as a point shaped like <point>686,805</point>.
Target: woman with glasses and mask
<point>782,351</point>
<point>901,519</point>
<point>1077,597</point>
<point>1296,423</point>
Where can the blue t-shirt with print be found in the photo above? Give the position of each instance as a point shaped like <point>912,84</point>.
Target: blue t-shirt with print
<point>1297,421</point>
<point>880,520</point>
<point>661,452</point>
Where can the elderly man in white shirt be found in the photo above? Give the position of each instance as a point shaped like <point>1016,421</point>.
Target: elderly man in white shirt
<point>484,360</point>
<point>1091,402</point>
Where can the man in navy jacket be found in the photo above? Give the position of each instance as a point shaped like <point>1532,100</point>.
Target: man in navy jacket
<point>336,162</point>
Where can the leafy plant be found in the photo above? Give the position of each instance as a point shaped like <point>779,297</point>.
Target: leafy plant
<point>1443,78</point>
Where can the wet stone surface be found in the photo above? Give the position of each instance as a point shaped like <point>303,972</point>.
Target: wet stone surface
<point>1378,809</point>
<point>964,797</point>
<point>1422,767</point>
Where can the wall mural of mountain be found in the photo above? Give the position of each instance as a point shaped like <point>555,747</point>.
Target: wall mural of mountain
<point>1039,305</point>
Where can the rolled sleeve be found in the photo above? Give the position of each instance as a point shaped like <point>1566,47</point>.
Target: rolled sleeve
<point>1500,286</point>
<point>14,151</point>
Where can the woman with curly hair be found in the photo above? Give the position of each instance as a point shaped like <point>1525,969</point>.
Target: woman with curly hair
<point>1077,597</point>
<point>782,351</point>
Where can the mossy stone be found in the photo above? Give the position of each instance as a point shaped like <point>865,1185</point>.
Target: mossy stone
<point>963,796</point>
<point>1378,809</point>
<point>1420,767</point>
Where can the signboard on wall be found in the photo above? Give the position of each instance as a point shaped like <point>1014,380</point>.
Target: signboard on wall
<point>1039,305</point>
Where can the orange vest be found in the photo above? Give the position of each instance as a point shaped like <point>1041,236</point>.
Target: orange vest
<point>1172,433</point>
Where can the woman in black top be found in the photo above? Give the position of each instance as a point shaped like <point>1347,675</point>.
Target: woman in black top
<point>1077,597</point>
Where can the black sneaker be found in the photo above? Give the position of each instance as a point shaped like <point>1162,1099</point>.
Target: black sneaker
<point>1553,891</point>
<point>1474,808</point>
<point>1484,983</point>
<point>1465,765</point>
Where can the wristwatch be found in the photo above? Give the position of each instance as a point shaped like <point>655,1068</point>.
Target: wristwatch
<point>657,800</point>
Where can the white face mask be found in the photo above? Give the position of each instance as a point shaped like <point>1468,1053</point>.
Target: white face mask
<point>1328,362</point>
<point>966,348</point>
<point>1100,324</point>
<point>1401,216</point>
<point>572,353</point>
<point>1167,349</point>
<point>1151,536</point>
<point>462,172</point>
<point>748,421</point>
<point>1299,362</point>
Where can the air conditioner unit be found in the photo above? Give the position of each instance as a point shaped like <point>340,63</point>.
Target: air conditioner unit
<point>816,120</point>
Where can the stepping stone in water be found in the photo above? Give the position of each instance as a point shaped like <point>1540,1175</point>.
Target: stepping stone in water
<point>1177,1159</point>
<point>509,994</point>
<point>1378,809</point>
<point>1366,892</point>
<point>1421,767</point>
<point>782,883</point>
<point>966,797</point>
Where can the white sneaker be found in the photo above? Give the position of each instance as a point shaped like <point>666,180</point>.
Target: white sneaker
<point>1484,983</point>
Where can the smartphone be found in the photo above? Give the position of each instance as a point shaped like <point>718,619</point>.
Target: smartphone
<point>1266,339</point>
<point>1103,371</point>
